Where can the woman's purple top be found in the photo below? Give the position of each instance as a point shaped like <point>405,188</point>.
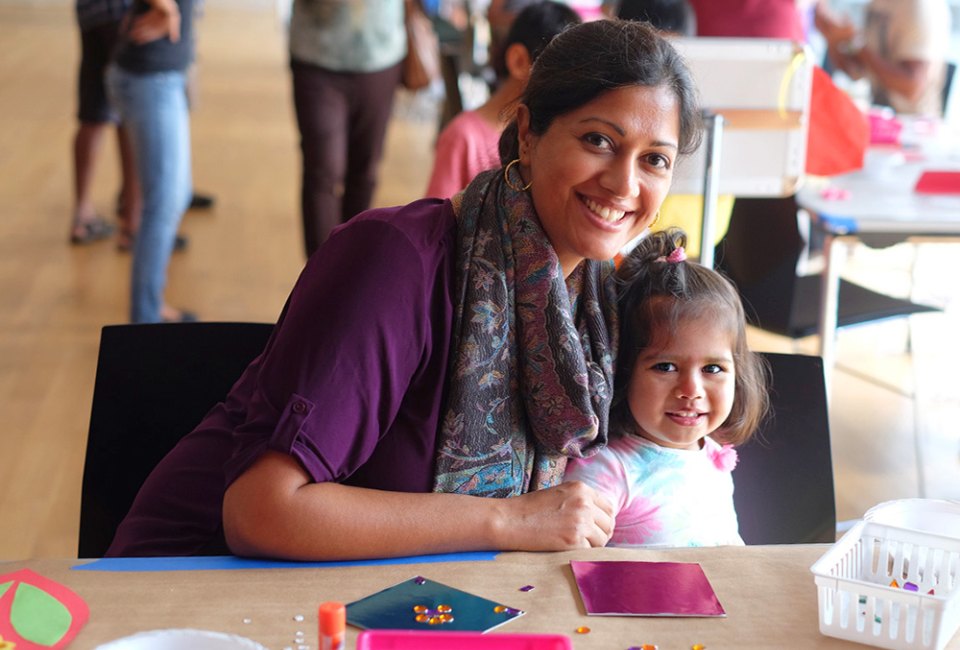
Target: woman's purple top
<point>351,382</point>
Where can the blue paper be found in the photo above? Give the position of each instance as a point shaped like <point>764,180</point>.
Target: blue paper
<point>233,563</point>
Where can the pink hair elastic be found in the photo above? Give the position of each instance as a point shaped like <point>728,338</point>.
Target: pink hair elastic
<point>676,256</point>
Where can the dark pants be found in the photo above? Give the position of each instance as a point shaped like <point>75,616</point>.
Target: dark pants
<point>343,121</point>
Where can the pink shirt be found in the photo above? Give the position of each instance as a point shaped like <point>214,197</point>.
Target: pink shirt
<point>466,147</point>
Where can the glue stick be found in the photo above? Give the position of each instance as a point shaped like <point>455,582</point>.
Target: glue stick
<point>333,625</point>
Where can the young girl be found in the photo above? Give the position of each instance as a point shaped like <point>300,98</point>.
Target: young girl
<point>687,390</point>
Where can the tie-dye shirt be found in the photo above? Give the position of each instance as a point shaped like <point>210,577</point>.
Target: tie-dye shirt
<point>663,496</point>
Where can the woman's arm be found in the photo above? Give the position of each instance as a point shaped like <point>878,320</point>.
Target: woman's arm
<point>906,78</point>
<point>274,510</point>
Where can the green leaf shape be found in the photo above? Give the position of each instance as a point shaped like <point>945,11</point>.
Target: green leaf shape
<point>4,586</point>
<point>39,617</point>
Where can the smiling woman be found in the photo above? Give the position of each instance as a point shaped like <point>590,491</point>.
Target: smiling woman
<point>472,350</point>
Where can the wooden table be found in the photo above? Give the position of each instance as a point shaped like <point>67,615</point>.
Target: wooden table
<point>768,593</point>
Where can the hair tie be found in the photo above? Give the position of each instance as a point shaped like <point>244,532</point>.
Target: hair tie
<point>676,256</point>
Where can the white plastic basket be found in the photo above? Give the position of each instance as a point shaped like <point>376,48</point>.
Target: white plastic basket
<point>857,601</point>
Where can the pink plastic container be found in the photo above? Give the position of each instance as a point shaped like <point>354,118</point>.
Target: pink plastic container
<point>414,640</point>
<point>885,128</point>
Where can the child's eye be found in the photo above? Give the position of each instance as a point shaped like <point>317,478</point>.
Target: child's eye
<point>664,366</point>
<point>713,369</point>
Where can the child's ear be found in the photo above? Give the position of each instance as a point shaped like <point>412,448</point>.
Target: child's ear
<point>518,61</point>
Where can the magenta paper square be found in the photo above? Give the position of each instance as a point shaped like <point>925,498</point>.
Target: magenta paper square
<point>645,589</point>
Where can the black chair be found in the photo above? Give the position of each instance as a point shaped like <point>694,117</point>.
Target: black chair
<point>760,252</point>
<point>154,384</point>
<point>783,484</point>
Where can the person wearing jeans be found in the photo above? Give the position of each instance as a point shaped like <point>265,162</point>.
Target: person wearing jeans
<point>147,83</point>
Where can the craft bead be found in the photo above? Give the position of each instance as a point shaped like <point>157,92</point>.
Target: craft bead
<point>894,584</point>
<point>698,646</point>
<point>419,609</point>
<point>583,629</point>
<point>444,608</point>
<point>435,620</point>
<point>421,618</point>
<point>909,586</point>
<point>420,580</point>
<point>527,588</point>
<point>446,618</point>
<point>499,609</point>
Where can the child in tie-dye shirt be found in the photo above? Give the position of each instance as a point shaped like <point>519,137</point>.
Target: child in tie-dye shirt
<point>687,390</point>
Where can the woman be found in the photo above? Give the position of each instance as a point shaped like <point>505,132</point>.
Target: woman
<point>445,351</point>
<point>147,84</point>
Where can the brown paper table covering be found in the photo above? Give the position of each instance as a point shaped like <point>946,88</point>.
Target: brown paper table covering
<point>768,593</point>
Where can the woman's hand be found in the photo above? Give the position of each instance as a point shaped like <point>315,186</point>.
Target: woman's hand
<point>568,516</point>
<point>161,20</point>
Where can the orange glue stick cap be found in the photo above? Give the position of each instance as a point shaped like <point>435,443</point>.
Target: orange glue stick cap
<point>333,622</point>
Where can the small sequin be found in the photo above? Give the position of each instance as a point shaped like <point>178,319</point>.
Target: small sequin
<point>446,618</point>
<point>527,588</point>
<point>247,621</point>
<point>435,620</point>
<point>698,646</point>
<point>419,608</point>
<point>894,584</point>
<point>512,611</point>
<point>583,629</point>
<point>930,593</point>
<point>298,618</point>
<point>909,586</point>
<point>499,609</point>
<point>444,608</point>
<point>863,600</point>
<point>421,618</point>
<point>420,580</point>
<point>648,646</point>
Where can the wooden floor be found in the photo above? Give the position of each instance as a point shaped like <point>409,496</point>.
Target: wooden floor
<point>245,254</point>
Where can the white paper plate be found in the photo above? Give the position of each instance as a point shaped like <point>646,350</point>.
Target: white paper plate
<point>937,516</point>
<point>181,640</point>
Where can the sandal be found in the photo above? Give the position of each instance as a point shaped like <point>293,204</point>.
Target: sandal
<point>87,232</point>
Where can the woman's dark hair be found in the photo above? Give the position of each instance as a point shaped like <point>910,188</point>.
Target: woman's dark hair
<point>674,16</point>
<point>655,296</point>
<point>587,60</point>
<point>534,27</point>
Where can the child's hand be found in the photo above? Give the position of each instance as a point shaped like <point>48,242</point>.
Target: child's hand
<point>162,20</point>
<point>568,516</point>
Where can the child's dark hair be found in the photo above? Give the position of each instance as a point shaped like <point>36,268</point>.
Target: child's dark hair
<point>674,16</point>
<point>534,27</point>
<point>655,296</point>
<point>585,61</point>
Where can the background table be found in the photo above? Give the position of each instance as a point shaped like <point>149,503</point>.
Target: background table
<point>878,206</point>
<point>768,593</point>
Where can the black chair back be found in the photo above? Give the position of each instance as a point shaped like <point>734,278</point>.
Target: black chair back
<point>154,384</point>
<point>783,484</point>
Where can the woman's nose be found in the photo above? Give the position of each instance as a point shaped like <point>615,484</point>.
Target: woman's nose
<point>622,178</point>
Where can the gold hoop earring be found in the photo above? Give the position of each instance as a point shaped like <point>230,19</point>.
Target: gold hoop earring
<point>656,219</point>
<point>511,184</point>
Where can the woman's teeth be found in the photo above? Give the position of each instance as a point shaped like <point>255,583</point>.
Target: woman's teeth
<point>605,213</point>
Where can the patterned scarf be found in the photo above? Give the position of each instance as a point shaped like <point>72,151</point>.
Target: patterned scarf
<point>532,354</point>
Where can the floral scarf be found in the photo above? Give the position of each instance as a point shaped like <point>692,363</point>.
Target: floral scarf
<point>531,375</point>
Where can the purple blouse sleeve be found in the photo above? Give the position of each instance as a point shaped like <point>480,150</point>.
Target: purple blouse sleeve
<point>343,354</point>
